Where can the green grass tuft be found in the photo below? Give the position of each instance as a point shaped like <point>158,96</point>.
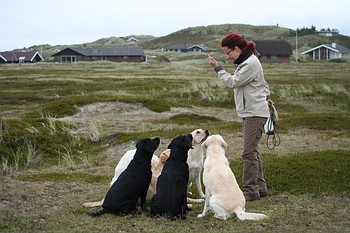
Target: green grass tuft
<point>315,173</point>
<point>324,121</point>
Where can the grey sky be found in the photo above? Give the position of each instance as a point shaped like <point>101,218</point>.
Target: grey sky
<point>62,22</point>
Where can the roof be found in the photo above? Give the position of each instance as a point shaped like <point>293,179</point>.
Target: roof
<point>273,47</point>
<point>334,47</point>
<point>103,51</point>
<point>13,56</point>
<point>178,46</point>
<point>132,39</point>
<point>186,46</point>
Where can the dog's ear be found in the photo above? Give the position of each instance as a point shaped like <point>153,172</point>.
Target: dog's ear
<point>170,146</point>
<point>207,133</point>
<point>155,142</point>
<point>189,141</point>
<point>139,143</point>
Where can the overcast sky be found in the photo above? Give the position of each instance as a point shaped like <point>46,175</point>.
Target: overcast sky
<point>62,22</point>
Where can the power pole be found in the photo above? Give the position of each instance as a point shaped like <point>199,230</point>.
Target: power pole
<point>296,46</point>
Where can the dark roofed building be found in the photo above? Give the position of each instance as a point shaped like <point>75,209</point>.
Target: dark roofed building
<point>20,57</point>
<point>274,51</point>
<point>184,48</point>
<point>115,54</point>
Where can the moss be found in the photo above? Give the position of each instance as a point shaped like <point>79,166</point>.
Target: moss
<point>192,119</point>
<point>156,105</point>
<point>67,177</point>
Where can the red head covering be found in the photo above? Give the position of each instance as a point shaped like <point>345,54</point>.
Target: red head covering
<point>234,39</point>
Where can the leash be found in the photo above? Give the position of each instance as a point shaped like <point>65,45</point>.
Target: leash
<point>270,129</point>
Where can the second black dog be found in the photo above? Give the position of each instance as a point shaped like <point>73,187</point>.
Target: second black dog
<point>170,199</point>
<point>133,182</point>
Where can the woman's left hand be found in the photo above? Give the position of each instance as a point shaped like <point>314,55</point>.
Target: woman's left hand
<point>212,61</point>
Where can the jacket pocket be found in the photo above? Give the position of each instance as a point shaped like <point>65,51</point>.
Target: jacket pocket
<point>243,102</point>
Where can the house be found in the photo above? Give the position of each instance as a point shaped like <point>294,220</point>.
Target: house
<point>273,51</point>
<point>326,52</point>
<point>19,56</point>
<point>132,40</point>
<point>328,32</point>
<point>115,54</point>
<point>184,48</point>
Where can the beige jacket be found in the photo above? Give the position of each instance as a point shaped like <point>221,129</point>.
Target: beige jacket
<point>250,88</point>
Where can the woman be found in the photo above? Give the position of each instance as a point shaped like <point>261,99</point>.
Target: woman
<point>251,94</point>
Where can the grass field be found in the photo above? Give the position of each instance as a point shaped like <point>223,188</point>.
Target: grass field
<point>64,127</point>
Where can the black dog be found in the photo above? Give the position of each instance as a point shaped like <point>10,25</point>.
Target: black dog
<point>170,199</point>
<point>132,183</point>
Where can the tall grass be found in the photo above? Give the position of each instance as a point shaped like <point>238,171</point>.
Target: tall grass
<point>300,93</point>
<point>93,133</point>
<point>49,122</point>
<point>312,90</point>
<point>32,154</point>
<point>66,157</point>
<point>44,139</point>
<point>20,157</point>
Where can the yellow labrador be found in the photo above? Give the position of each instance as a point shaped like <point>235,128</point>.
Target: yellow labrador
<point>222,193</point>
<point>156,168</point>
<point>195,163</point>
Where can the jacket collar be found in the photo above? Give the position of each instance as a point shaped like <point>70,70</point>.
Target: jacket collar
<point>242,57</point>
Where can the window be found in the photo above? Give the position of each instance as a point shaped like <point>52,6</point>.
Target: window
<point>68,59</point>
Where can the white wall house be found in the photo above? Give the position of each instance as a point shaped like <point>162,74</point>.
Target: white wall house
<point>328,32</point>
<point>326,52</point>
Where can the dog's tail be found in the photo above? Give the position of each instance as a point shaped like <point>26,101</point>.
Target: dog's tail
<point>92,204</point>
<point>191,200</point>
<point>98,213</point>
<point>242,215</point>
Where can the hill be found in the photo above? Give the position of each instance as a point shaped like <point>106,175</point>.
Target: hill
<point>210,35</point>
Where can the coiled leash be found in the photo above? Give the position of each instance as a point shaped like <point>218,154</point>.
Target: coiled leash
<point>270,129</point>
